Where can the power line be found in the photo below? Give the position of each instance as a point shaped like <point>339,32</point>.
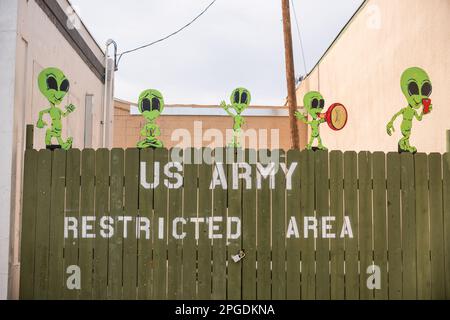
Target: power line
<point>300,37</point>
<point>168,36</point>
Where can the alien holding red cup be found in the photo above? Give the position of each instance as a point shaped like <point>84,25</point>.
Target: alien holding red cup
<point>417,88</point>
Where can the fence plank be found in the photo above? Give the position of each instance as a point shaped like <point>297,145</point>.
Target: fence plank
<point>337,246</point>
<point>380,222</point>
<point>56,253</point>
<point>115,260</point>
<point>219,277</point>
<point>323,290</point>
<point>446,193</point>
<point>394,226</point>
<point>87,209</point>
<point>263,273</point>
<point>351,211</point>
<point>365,223</point>
<point>190,200</point>
<point>235,211</point>
<point>42,225</point>
<point>279,228</point>
<point>28,232</point>
<point>145,243</point>
<point>294,213</point>
<point>204,212</point>
<point>422,228</point>
<point>249,233</point>
<point>160,237</point>
<point>100,274</point>
<point>436,228</point>
<point>131,210</point>
<point>175,247</point>
<point>71,242</point>
<point>408,226</point>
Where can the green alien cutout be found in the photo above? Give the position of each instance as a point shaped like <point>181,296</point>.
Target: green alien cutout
<point>240,100</point>
<point>314,104</point>
<point>417,88</point>
<point>151,105</point>
<point>54,85</point>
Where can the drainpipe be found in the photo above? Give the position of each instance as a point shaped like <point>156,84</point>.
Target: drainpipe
<point>108,98</point>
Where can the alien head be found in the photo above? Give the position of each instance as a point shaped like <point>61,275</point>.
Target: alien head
<point>53,84</point>
<point>314,104</point>
<point>240,99</point>
<point>416,86</point>
<point>151,104</point>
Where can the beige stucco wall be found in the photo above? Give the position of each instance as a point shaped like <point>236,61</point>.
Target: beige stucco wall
<point>41,45</point>
<point>362,70</point>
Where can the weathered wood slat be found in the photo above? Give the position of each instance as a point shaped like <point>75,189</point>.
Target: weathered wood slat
<point>175,236</point>
<point>279,228</point>
<point>394,226</point>
<point>380,222</point>
<point>436,228</point>
<point>205,171</point>
<point>219,276</point>
<point>190,196</point>
<point>294,212</point>
<point>408,227</point>
<point>337,246</point>
<point>87,202</point>
<point>351,211</point>
<point>234,210</point>
<point>115,257</point>
<point>130,248</point>
<point>28,232</point>
<point>365,223</point>
<point>56,253</point>
<point>145,242</point>
<point>71,242</point>
<point>160,206</point>
<point>446,193</point>
<point>422,228</point>
<point>100,273</point>
<point>323,289</point>
<point>249,233</point>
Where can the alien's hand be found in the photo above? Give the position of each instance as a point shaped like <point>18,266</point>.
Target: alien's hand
<point>70,108</point>
<point>300,116</point>
<point>224,105</point>
<point>430,108</point>
<point>41,124</point>
<point>390,128</point>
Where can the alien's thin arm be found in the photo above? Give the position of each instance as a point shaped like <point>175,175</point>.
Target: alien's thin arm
<point>229,112</point>
<point>419,117</point>
<point>396,116</point>
<point>303,119</point>
<point>157,132</point>
<point>41,114</point>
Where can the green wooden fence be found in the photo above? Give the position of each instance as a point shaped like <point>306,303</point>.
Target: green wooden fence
<point>398,207</point>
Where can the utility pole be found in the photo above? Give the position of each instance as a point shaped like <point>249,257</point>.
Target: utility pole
<point>290,74</point>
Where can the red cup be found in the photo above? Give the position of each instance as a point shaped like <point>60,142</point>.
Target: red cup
<point>426,105</point>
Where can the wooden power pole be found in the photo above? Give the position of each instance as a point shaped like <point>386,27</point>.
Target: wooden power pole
<point>290,74</point>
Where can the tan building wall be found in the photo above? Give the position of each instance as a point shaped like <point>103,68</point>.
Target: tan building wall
<point>362,70</point>
<point>127,127</point>
<point>41,44</point>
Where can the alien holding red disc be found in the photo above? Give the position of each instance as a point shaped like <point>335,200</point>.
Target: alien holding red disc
<point>336,117</point>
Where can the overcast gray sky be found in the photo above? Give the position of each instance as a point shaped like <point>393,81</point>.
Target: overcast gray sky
<point>236,43</point>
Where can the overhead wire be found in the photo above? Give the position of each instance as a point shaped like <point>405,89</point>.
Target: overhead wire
<point>300,37</point>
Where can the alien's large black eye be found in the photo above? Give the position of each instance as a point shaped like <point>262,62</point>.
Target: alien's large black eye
<point>156,105</point>
<point>322,104</point>
<point>315,103</point>
<point>51,83</point>
<point>237,97</point>
<point>427,89</point>
<point>413,89</point>
<point>146,106</point>
<point>244,98</point>
<point>64,86</point>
